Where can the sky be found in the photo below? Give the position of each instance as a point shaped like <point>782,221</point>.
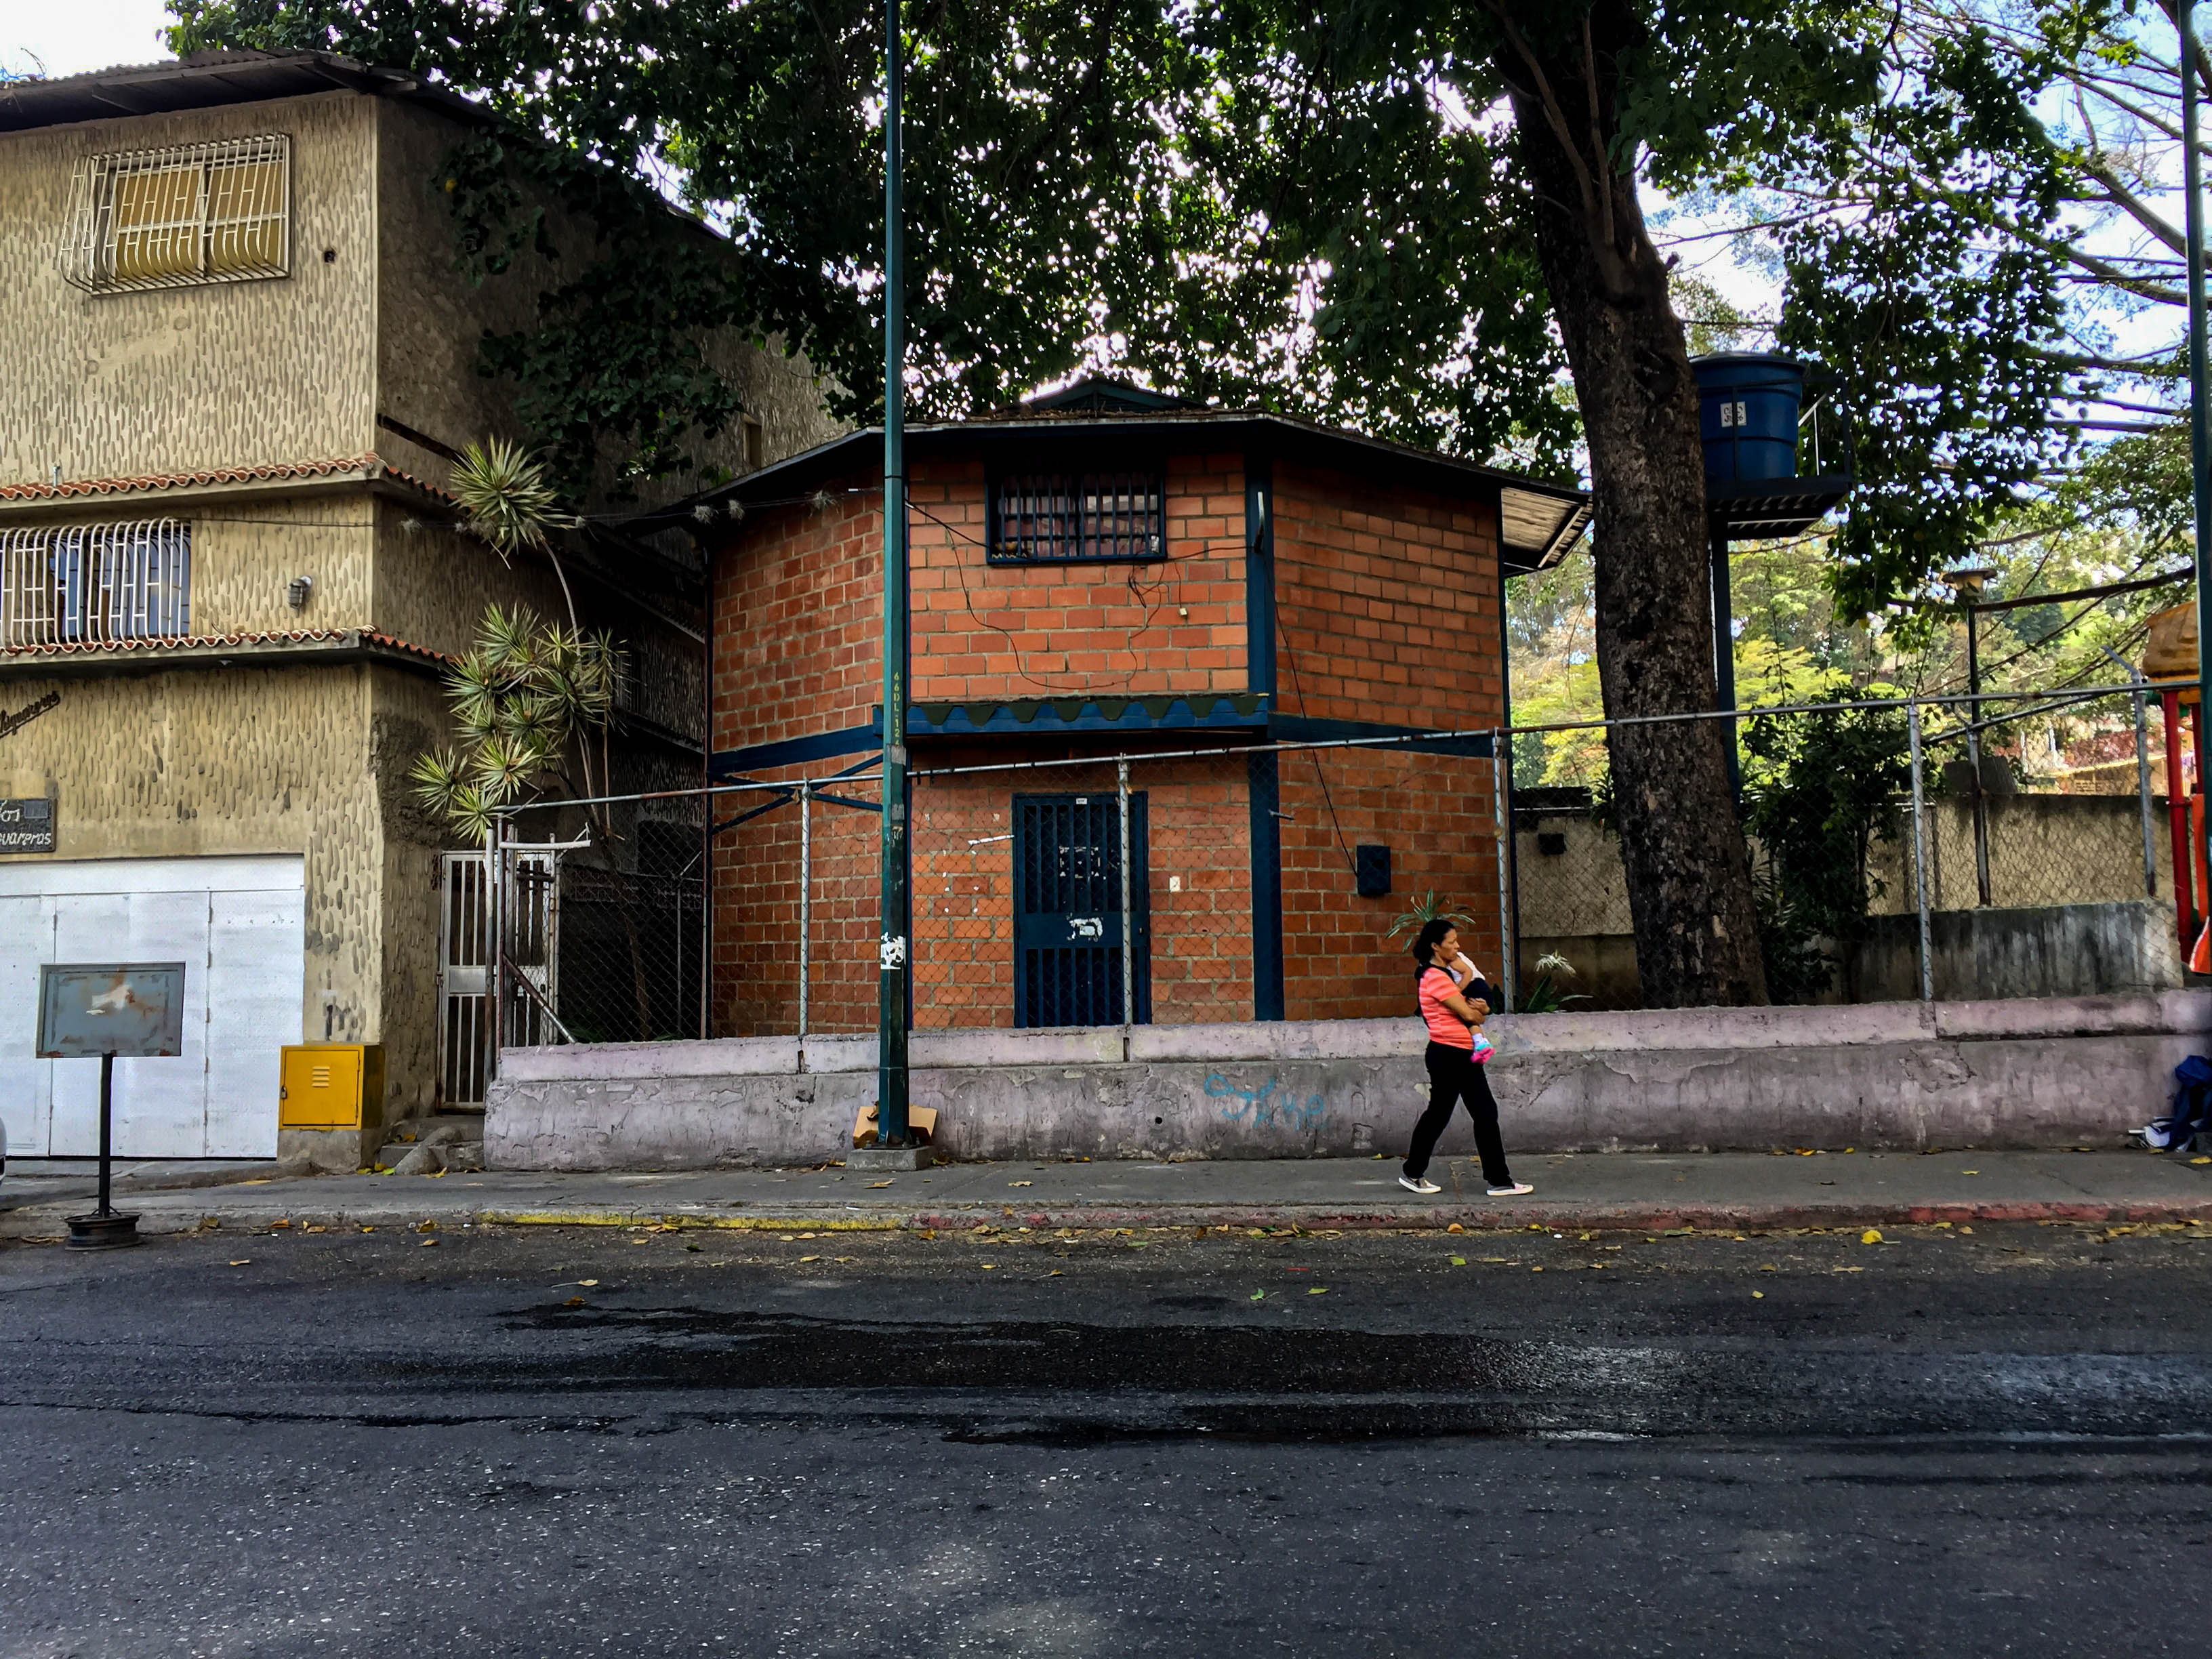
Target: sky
<point>68,37</point>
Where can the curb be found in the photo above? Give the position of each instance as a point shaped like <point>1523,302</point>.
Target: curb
<point>46,1222</point>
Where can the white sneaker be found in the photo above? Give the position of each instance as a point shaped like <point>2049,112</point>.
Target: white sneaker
<point>1515,1190</point>
<point>1422,1185</point>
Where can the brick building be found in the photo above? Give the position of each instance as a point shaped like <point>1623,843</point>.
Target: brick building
<point>1106,572</point>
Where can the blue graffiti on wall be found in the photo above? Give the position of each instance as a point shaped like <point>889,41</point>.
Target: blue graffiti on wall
<point>1265,1106</point>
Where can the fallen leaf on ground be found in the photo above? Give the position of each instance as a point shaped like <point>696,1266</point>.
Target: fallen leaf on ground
<point>1259,1296</point>
<point>1454,1228</point>
<point>2201,1160</point>
<point>1535,1270</point>
<point>263,1180</point>
<point>879,1183</point>
<point>281,1221</point>
<point>573,1302</point>
<point>1847,1270</point>
<point>696,1250</point>
<point>1759,1296</point>
<point>989,1267</point>
<point>243,1261</point>
<point>1970,1172</point>
<point>1318,1290</point>
<point>1871,1236</point>
<point>804,1260</point>
<point>429,1243</point>
<point>587,1283</point>
<point>1021,1183</point>
<point>1055,1274</point>
<point>1459,1262</point>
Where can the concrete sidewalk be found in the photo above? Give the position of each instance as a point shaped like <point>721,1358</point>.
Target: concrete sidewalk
<point>1624,1190</point>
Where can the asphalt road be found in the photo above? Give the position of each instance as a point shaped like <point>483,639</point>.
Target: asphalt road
<point>565,1442</point>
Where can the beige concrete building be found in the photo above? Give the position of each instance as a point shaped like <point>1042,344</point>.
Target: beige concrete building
<point>239,358</point>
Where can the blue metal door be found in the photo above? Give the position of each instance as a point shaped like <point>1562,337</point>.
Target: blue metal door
<point>1067,910</point>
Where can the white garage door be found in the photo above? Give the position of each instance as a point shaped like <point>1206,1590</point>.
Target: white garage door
<point>238,925</point>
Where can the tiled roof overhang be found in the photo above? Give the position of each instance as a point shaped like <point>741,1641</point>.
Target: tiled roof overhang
<point>260,477</point>
<point>259,650</point>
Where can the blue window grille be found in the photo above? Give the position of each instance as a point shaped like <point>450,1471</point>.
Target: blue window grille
<point>1077,518</point>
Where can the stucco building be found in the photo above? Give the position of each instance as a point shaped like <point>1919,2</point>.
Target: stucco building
<point>1100,572</point>
<point>240,359</point>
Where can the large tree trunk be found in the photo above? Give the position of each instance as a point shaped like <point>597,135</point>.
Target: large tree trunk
<point>1689,877</point>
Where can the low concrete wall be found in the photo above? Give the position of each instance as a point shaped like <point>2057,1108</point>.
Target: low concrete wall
<point>2033,1073</point>
<point>2047,950</point>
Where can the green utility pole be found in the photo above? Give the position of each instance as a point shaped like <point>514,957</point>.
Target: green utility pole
<point>2200,415</point>
<point>891,983</point>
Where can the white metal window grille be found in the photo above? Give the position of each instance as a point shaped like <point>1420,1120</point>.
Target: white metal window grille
<point>1078,517</point>
<point>192,213</point>
<point>84,583</point>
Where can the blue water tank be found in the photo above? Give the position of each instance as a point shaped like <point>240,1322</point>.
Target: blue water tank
<point>1747,415</point>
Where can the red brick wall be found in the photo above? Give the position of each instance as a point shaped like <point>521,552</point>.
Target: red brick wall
<point>1367,582</point>
<point>1023,632</point>
<point>1434,813</point>
<point>1199,881</point>
<point>797,618</point>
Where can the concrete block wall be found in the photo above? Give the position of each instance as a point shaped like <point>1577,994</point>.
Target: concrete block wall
<point>2056,1072</point>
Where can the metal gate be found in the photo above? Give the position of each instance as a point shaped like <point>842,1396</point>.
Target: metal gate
<point>533,909</point>
<point>1067,919</point>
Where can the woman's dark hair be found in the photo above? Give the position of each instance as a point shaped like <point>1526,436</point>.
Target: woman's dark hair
<point>1431,935</point>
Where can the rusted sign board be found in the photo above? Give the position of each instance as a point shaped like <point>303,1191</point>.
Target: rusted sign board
<point>134,1009</point>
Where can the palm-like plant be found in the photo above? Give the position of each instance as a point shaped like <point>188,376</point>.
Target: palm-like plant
<point>527,697</point>
<point>1431,906</point>
<point>506,499</point>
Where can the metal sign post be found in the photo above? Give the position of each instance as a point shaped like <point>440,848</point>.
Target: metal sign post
<point>88,1010</point>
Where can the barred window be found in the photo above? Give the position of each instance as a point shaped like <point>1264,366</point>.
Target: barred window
<point>1076,516</point>
<point>84,583</point>
<point>192,213</point>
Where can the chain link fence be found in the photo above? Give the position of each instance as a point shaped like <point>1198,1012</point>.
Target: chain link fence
<point>2009,845</point>
<point>2027,848</point>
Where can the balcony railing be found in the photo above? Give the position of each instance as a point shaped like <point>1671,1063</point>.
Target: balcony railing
<point>83,584</point>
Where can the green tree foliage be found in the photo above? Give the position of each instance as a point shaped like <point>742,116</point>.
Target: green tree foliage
<point>1314,210</point>
<point>1821,789</point>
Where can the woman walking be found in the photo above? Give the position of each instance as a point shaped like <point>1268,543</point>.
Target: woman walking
<point>1454,1073</point>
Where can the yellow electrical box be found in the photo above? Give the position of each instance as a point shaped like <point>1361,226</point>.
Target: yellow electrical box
<point>332,1085</point>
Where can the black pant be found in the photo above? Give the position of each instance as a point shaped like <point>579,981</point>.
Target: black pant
<point>1453,1077</point>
